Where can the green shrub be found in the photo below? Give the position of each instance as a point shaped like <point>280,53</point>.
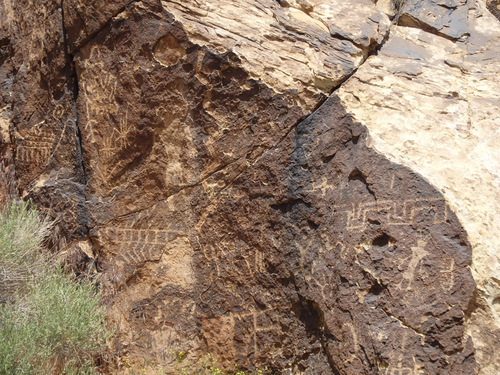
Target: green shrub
<point>49,322</point>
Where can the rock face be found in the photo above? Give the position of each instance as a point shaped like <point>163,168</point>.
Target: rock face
<point>429,100</point>
<point>234,207</point>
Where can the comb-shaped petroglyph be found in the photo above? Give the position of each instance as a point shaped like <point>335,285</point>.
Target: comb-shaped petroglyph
<point>134,248</point>
<point>36,145</point>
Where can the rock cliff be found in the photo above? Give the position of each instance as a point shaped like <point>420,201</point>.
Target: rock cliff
<point>307,185</point>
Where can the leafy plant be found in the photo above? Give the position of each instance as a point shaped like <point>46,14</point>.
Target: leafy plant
<point>49,322</point>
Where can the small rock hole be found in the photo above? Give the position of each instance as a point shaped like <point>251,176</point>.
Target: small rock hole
<point>381,241</point>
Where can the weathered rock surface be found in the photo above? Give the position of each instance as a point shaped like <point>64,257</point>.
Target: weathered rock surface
<point>174,142</point>
<point>342,248</point>
<point>38,112</point>
<point>430,102</point>
<point>305,57</point>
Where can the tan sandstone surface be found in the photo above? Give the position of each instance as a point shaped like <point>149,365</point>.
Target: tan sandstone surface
<point>432,104</point>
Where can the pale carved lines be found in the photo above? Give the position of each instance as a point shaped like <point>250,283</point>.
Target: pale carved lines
<point>397,367</point>
<point>449,276</point>
<point>39,143</point>
<point>404,213</point>
<point>36,145</point>
<point>355,341</point>
<point>251,322</point>
<point>136,246</point>
<point>260,262</point>
<point>417,254</point>
<point>118,138</point>
<point>99,90</point>
<point>255,316</point>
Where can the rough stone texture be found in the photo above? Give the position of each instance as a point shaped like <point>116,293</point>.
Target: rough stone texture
<point>84,18</point>
<point>305,57</point>
<point>342,254</point>
<point>431,103</point>
<point>446,18</point>
<point>174,143</point>
<point>494,7</point>
<point>39,113</point>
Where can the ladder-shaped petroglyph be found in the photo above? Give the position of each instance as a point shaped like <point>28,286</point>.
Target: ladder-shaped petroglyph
<point>356,215</point>
<point>137,246</point>
<point>239,332</point>
<point>448,276</point>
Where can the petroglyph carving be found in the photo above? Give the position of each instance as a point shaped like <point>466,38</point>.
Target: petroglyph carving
<point>58,112</point>
<point>101,106</point>
<point>95,85</point>
<point>448,276</point>
<point>337,247</point>
<point>255,319</point>
<point>118,139</point>
<point>36,145</point>
<point>260,263</point>
<point>355,341</point>
<point>417,254</point>
<point>400,371</point>
<point>396,213</point>
<point>244,327</point>
<point>399,365</point>
<point>99,87</point>
<point>136,247</point>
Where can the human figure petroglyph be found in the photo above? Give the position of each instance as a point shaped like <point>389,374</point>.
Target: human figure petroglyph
<point>418,253</point>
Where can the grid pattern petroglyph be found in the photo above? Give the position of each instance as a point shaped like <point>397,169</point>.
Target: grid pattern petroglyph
<point>255,321</point>
<point>396,212</point>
